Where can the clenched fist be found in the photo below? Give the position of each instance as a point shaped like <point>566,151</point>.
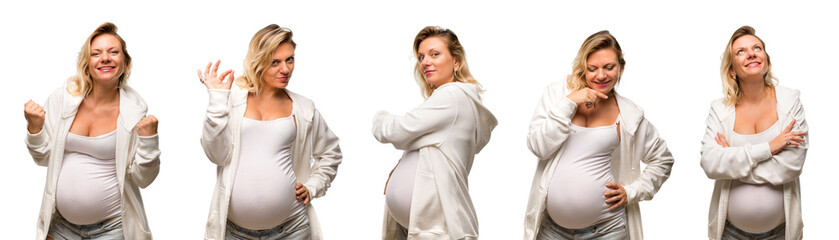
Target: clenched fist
<point>147,126</point>
<point>34,114</point>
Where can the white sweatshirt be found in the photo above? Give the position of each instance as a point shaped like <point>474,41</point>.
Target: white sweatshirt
<point>315,152</point>
<point>639,142</point>
<point>137,158</point>
<point>448,129</point>
<point>754,163</point>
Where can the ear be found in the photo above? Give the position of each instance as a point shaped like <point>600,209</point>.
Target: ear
<point>732,74</point>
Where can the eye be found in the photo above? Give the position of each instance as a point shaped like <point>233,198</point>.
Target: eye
<point>610,67</point>
<point>740,52</point>
<point>275,63</point>
<point>290,60</point>
<point>591,69</point>
<point>96,54</point>
<point>420,57</point>
<point>114,52</point>
<point>435,54</point>
<point>758,48</point>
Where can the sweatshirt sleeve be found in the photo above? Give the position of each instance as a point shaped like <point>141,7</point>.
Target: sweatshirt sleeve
<point>428,124</point>
<point>39,143</point>
<point>729,162</point>
<point>658,161</point>
<point>786,165</point>
<point>326,154</point>
<point>551,123</point>
<point>146,163</point>
<point>216,137</point>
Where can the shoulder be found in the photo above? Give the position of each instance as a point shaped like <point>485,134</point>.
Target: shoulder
<point>302,105</point>
<point>131,98</point>
<point>787,94</point>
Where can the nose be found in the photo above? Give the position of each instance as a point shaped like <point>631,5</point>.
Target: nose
<point>426,62</point>
<point>751,53</point>
<point>105,58</point>
<point>284,68</point>
<point>601,74</point>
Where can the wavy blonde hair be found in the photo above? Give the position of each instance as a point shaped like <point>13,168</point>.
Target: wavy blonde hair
<point>599,40</point>
<point>81,83</point>
<point>462,73</point>
<point>730,82</point>
<point>260,54</point>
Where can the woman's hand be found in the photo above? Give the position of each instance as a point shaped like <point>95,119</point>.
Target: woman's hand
<point>34,115</point>
<point>302,193</point>
<point>721,140</point>
<point>212,80</point>
<point>587,97</point>
<point>147,126</point>
<point>616,198</point>
<point>786,138</point>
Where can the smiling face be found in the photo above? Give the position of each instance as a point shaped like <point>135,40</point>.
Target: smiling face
<point>602,70</point>
<point>279,71</point>
<point>106,58</point>
<point>748,58</point>
<point>436,61</point>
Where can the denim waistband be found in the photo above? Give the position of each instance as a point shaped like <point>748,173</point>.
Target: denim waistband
<point>593,228</point>
<point>86,227</point>
<point>772,232</point>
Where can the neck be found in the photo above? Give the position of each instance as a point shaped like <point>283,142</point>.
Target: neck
<point>103,93</point>
<point>753,90</point>
<point>272,93</point>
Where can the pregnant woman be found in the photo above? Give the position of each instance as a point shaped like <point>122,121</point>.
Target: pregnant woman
<point>754,147</point>
<point>590,142</point>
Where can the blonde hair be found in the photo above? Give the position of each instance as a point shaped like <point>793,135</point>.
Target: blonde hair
<point>462,73</point>
<point>730,82</point>
<point>81,83</point>
<point>599,40</point>
<point>260,54</point>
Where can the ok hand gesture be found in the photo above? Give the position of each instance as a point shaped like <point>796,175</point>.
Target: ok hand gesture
<point>212,80</point>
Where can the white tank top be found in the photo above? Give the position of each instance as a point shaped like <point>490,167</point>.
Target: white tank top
<point>263,192</point>
<point>756,208</point>
<point>400,188</point>
<point>576,193</point>
<point>88,191</point>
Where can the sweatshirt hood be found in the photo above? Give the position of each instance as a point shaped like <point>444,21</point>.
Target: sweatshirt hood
<point>485,122</point>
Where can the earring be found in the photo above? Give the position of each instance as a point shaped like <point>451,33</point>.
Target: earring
<point>455,75</point>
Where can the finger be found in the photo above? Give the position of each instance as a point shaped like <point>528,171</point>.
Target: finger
<point>306,201</point>
<point>613,200</point>
<point>200,76</point>
<point>791,124</point>
<point>214,71</point>
<point>798,133</point>
<point>224,75</point>
<point>717,138</point>
<point>207,70</point>
<point>231,77</point>
<point>612,185</point>
<point>601,95</point>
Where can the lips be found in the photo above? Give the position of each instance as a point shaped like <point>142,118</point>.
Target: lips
<point>603,84</point>
<point>106,69</point>
<point>429,72</point>
<point>753,64</point>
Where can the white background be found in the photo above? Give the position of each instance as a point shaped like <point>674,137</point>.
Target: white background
<point>354,58</point>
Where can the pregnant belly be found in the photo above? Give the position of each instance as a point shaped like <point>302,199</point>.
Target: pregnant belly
<point>755,208</point>
<point>576,200</point>
<point>256,204</point>
<point>87,195</point>
<point>400,188</point>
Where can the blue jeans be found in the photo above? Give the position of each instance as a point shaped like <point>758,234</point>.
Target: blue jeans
<point>612,228</point>
<point>295,227</point>
<point>61,229</point>
<point>733,233</point>
<point>401,232</point>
